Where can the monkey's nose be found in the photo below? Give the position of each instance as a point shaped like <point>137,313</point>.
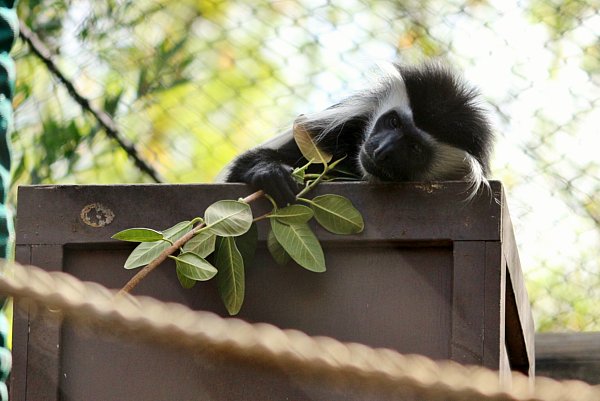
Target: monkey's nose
<point>381,154</point>
<point>383,150</point>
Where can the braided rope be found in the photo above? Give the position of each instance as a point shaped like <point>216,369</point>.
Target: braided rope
<point>329,359</point>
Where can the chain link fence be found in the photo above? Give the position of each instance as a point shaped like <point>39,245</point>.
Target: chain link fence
<point>194,82</point>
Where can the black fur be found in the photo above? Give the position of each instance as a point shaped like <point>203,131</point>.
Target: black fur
<point>404,142</point>
<point>448,109</point>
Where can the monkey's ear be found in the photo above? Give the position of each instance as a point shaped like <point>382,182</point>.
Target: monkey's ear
<point>306,143</point>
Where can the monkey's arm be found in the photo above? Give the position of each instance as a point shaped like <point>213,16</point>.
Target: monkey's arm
<point>269,166</point>
<point>270,170</point>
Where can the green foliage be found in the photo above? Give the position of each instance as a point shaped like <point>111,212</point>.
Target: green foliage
<point>276,250</point>
<point>194,267</point>
<point>227,231</point>
<point>185,282</point>
<point>307,146</point>
<point>202,244</point>
<point>230,279</point>
<point>560,15</point>
<point>146,64</point>
<point>337,214</point>
<point>146,252</point>
<point>228,218</point>
<point>292,214</point>
<point>246,244</point>
<point>139,235</point>
<point>301,244</point>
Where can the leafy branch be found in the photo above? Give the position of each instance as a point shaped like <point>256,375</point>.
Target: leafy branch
<point>228,233</point>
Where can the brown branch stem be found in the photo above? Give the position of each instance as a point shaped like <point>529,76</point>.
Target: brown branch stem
<point>264,216</point>
<point>135,280</point>
<point>253,196</point>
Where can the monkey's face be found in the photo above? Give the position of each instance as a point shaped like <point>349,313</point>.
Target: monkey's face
<point>396,149</point>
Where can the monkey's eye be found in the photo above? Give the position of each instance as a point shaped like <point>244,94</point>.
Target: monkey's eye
<point>393,121</point>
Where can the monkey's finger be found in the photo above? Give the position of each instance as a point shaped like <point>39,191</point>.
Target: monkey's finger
<point>289,193</point>
<point>282,194</point>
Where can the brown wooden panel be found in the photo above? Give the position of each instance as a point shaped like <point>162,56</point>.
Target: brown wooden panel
<point>521,344</point>
<point>43,355</point>
<point>574,356</point>
<point>155,373</point>
<point>413,211</point>
<point>116,370</point>
<point>20,333</point>
<point>427,276</point>
<point>367,295</point>
<point>494,300</point>
<point>468,327</point>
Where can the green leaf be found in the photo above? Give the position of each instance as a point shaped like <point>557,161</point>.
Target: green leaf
<point>19,170</point>
<point>230,279</point>
<point>298,174</point>
<point>178,230</point>
<point>228,218</point>
<point>293,214</point>
<point>202,244</point>
<point>146,252</point>
<point>139,235</point>
<point>276,250</point>
<point>185,282</point>
<point>307,145</point>
<point>301,244</point>
<point>246,244</point>
<point>111,102</point>
<point>349,175</point>
<point>337,214</point>
<point>194,267</point>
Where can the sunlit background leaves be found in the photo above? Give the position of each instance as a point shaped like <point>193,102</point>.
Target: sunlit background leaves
<point>194,82</point>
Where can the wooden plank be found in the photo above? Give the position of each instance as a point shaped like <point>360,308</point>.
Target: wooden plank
<point>504,370</point>
<point>520,359</point>
<point>91,214</point>
<point>573,356</point>
<point>43,357</point>
<point>521,344</point>
<point>383,296</point>
<point>467,337</point>
<point>20,333</point>
<point>494,301</point>
<point>428,275</point>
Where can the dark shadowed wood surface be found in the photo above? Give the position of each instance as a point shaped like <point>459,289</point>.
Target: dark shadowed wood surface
<point>569,356</point>
<point>431,274</point>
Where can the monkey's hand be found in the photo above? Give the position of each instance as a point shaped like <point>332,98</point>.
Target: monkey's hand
<point>264,169</point>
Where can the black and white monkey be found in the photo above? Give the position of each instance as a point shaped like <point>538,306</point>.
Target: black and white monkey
<point>417,123</point>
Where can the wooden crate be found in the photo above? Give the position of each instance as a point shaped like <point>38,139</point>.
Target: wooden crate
<point>569,356</point>
<point>431,274</point>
